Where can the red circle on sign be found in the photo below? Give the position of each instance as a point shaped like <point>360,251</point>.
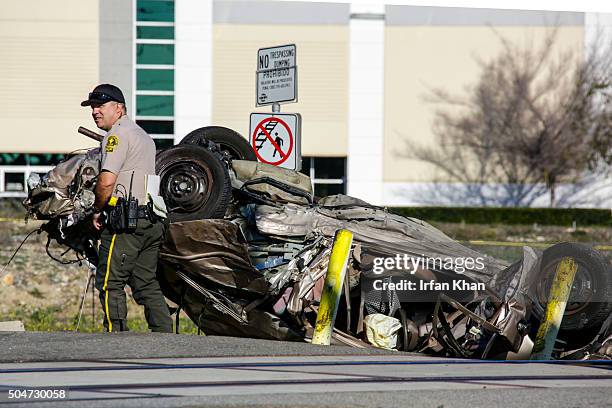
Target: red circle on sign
<point>284,156</point>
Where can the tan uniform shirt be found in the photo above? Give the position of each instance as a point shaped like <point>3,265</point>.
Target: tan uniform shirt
<point>128,148</point>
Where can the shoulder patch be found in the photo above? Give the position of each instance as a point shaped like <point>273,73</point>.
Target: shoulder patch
<point>111,143</point>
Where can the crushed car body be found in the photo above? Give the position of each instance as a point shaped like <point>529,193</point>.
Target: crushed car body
<point>248,247</point>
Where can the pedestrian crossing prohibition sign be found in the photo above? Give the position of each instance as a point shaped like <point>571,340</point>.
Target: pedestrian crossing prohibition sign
<point>273,138</point>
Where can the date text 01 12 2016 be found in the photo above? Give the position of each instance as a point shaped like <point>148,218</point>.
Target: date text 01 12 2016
<point>34,394</point>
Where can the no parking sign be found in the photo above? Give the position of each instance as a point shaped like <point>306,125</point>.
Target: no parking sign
<point>275,138</point>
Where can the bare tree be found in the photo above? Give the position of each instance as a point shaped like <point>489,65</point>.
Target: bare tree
<point>535,118</point>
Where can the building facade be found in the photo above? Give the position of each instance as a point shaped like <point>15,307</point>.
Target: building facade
<point>362,74</point>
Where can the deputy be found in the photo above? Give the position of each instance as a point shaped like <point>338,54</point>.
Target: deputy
<point>127,255</point>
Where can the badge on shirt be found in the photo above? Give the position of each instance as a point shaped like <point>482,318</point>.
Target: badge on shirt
<point>111,143</point>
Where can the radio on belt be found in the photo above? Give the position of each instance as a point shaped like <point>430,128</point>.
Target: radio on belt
<point>124,215</point>
<point>132,213</point>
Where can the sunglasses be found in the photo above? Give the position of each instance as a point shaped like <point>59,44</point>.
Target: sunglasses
<point>101,96</point>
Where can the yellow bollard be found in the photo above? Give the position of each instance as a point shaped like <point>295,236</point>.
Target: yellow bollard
<point>330,298</point>
<point>555,308</point>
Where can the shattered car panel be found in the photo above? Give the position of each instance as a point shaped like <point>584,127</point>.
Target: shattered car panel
<point>216,247</point>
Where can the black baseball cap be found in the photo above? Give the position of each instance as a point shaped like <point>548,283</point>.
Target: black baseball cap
<point>104,93</point>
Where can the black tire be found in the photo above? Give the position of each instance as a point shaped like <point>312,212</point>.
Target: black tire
<point>228,140</point>
<point>194,183</point>
<point>590,301</point>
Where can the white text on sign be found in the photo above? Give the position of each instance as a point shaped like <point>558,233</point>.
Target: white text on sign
<point>276,75</point>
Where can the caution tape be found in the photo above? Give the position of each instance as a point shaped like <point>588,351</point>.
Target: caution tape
<point>531,244</point>
<point>10,219</point>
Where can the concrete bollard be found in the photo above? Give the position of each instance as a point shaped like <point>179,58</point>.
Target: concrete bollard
<point>330,298</point>
<point>555,308</point>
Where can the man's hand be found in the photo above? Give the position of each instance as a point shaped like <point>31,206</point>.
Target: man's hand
<point>98,221</point>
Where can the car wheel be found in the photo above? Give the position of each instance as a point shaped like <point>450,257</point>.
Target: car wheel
<point>194,183</point>
<point>590,300</point>
<point>228,140</point>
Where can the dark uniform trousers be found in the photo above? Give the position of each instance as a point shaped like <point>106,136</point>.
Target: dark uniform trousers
<point>131,258</point>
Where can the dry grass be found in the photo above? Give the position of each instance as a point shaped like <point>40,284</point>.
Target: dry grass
<point>46,295</point>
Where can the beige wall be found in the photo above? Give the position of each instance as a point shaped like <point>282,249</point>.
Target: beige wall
<point>420,57</point>
<point>322,60</point>
<point>49,54</point>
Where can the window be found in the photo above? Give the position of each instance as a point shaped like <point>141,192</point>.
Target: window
<point>14,181</point>
<point>155,10</point>
<point>15,166</point>
<point>155,54</point>
<point>154,49</point>
<point>44,159</point>
<point>323,190</point>
<point>155,79</point>
<point>328,174</point>
<point>149,105</point>
<point>161,33</point>
<point>32,159</point>
<point>14,159</point>
<point>163,143</point>
<point>157,127</point>
<point>330,167</point>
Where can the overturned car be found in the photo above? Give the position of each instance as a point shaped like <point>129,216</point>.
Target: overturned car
<point>248,248</point>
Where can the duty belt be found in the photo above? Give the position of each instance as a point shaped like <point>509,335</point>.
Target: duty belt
<point>144,212</point>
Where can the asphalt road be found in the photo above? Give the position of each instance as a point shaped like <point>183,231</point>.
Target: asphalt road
<point>156,370</point>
